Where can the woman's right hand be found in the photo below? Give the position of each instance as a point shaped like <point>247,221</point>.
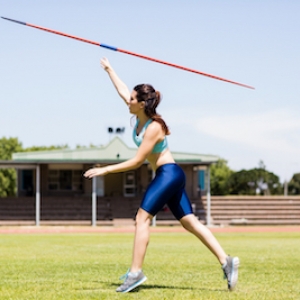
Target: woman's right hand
<point>120,86</point>
<point>105,64</point>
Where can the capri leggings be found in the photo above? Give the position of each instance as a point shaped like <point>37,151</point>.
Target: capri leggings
<point>167,187</point>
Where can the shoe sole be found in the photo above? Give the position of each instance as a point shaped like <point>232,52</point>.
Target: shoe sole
<point>135,285</point>
<point>234,273</point>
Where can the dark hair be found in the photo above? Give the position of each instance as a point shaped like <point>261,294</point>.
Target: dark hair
<point>151,97</point>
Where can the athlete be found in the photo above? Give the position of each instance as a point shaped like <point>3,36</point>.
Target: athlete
<point>167,187</point>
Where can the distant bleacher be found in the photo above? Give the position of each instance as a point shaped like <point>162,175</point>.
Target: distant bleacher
<point>225,210</point>
<point>254,210</point>
<point>54,210</point>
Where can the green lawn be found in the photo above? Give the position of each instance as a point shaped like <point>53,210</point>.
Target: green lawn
<point>87,266</point>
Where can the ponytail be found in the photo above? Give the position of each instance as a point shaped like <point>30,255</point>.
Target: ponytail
<point>163,124</point>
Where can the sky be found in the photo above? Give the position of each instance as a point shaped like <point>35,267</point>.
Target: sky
<point>54,92</point>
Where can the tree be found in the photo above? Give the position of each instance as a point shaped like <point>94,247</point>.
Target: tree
<point>219,174</point>
<point>294,185</point>
<point>44,148</point>
<point>254,181</point>
<point>8,176</point>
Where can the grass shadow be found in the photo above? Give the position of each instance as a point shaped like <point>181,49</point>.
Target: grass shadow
<point>159,286</point>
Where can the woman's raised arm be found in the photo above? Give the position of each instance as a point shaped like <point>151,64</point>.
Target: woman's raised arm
<point>120,86</point>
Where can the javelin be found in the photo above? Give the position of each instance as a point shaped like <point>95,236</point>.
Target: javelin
<point>129,52</point>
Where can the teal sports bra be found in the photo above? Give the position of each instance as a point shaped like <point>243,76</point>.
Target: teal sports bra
<point>158,148</point>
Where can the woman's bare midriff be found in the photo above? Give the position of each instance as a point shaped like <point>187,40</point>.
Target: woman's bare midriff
<point>158,159</point>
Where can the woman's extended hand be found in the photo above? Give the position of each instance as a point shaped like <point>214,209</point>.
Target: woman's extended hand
<point>96,172</point>
<point>105,64</point>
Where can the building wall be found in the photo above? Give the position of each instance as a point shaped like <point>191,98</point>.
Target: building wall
<point>44,180</point>
<point>87,184</point>
<point>113,184</point>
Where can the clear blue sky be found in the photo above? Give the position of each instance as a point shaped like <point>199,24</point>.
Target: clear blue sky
<point>53,90</point>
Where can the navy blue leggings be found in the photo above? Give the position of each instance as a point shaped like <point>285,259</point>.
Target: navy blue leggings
<point>167,187</point>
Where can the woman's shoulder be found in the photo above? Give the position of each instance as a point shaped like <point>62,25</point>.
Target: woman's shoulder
<point>155,127</point>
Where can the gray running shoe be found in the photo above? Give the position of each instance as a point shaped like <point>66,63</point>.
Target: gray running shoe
<point>131,282</point>
<point>231,271</point>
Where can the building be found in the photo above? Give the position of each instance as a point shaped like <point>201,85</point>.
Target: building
<point>52,177</point>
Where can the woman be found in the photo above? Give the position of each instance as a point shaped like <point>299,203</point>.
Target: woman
<point>166,188</point>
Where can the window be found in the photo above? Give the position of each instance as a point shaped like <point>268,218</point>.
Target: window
<point>129,184</point>
<point>26,180</point>
<point>65,180</point>
<point>53,180</point>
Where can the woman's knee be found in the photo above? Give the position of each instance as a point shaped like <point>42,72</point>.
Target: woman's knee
<point>189,222</point>
<point>143,218</point>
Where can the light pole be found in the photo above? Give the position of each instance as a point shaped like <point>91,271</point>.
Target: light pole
<point>115,131</point>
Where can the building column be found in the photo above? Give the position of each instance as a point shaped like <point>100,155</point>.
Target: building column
<point>208,210</point>
<point>94,201</point>
<point>38,196</point>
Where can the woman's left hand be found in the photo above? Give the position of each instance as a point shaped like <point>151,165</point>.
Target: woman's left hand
<point>96,172</point>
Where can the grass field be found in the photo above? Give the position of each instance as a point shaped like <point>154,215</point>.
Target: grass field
<point>87,266</point>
